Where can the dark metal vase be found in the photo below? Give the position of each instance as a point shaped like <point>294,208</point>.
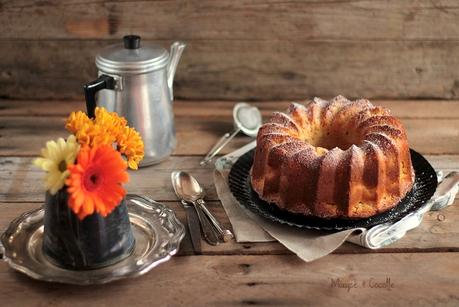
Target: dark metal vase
<point>91,243</point>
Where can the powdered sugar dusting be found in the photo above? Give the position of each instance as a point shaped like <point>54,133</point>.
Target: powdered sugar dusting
<point>370,134</point>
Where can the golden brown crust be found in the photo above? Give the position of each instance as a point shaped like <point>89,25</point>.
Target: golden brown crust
<point>336,158</point>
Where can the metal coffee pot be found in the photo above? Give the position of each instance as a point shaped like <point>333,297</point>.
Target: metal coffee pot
<point>135,80</point>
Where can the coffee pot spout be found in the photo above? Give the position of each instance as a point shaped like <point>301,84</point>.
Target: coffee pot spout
<point>174,58</point>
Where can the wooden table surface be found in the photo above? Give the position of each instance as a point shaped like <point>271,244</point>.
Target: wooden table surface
<point>423,267</point>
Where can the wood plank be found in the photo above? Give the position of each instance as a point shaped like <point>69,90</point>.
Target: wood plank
<point>400,108</point>
<point>20,183</point>
<point>249,69</point>
<point>438,232</point>
<point>229,20</point>
<point>259,280</point>
<point>445,163</point>
<point>21,136</point>
<point>12,210</point>
<point>21,180</point>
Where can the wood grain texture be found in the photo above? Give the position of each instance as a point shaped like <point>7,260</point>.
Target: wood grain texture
<point>21,179</point>
<point>248,69</point>
<point>241,49</point>
<point>259,280</point>
<point>20,183</point>
<point>441,109</point>
<point>422,266</point>
<point>229,20</point>
<point>20,136</point>
<point>437,233</point>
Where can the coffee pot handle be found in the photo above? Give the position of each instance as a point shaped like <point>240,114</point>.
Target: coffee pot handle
<point>91,88</point>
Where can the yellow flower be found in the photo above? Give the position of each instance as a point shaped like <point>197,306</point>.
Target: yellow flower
<point>110,121</point>
<point>107,128</point>
<point>131,145</point>
<point>93,133</point>
<point>77,121</point>
<point>55,159</point>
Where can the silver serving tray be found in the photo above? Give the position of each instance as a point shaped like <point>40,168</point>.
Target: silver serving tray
<point>156,229</point>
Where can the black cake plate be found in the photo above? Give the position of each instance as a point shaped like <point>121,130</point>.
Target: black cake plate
<point>423,189</point>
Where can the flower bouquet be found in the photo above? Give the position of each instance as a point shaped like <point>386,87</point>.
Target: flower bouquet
<point>86,220</point>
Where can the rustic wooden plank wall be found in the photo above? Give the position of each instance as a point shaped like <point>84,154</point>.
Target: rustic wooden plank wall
<point>254,50</point>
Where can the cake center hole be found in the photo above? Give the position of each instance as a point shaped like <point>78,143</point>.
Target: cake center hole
<point>328,139</point>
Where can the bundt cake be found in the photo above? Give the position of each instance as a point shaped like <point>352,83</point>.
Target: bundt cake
<point>333,159</point>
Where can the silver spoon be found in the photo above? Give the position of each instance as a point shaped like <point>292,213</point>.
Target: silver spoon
<point>194,193</point>
<point>247,119</point>
<point>181,184</point>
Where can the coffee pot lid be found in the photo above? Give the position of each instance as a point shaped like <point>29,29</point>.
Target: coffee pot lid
<point>131,57</point>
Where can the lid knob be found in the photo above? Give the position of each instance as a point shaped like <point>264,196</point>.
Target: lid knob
<point>131,41</point>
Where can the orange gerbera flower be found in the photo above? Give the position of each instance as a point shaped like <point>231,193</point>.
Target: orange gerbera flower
<point>94,184</point>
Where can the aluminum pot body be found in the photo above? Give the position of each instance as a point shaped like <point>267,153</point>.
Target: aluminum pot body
<point>136,81</point>
<point>146,102</point>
